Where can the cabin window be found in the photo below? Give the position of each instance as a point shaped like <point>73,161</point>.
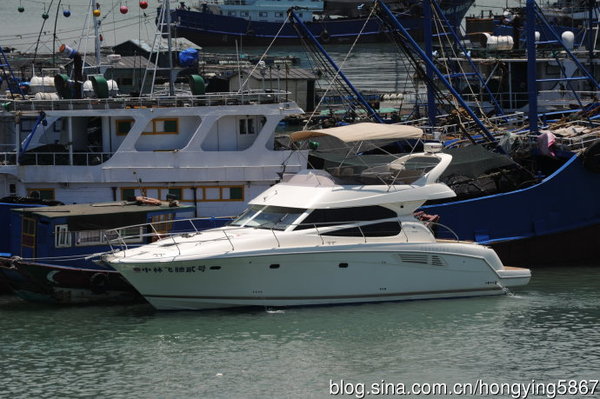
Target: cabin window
<point>279,14</point>
<point>269,217</point>
<point>127,194</point>
<point>123,126</point>
<point>89,237</point>
<point>231,13</point>
<point>244,13</point>
<point>28,232</point>
<point>99,237</point>
<point>263,14</point>
<point>41,193</point>
<point>385,229</point>
<point>247,126</point>
<point>175,193</point>
<point>163,126</point>
<point>203,193</point>
<point>235,193</point>
<point>227,193</point>
<point>62,236</point>
<point>324,217</point>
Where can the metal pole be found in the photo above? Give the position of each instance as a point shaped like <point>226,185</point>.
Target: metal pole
<point>96,35</point>
<point>167,5</point>
<point>531,60</point>
<point>427,36</point>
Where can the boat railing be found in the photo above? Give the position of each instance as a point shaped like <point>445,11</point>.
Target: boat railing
<point>435,226</point>
<point>120,239</point>
<point>512,120</point>
<point>555,99</point>
<point>54,158</point>
<point>209,99</point>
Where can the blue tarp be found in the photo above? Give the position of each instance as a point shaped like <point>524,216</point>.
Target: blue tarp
<point>188,57</point>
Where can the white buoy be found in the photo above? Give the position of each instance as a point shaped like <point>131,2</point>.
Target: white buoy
<point>568,39</point>
<point>113,88</point>
<point>88,89</point>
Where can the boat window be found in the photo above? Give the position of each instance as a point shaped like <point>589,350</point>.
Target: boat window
<point>62,236</point>
<point>101,237</point>
<point>270,217</point>
<point>323,217</point>
<point>247,215</point>
<point>41,193</point>
<point>421,163</point>
<point>385,229</point>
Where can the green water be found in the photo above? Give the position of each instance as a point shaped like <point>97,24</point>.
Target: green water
<point>546,331</point>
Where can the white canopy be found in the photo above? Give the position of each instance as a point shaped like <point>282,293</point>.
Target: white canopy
<point>364,131</point>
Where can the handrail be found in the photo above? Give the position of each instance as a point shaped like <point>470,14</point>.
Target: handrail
<point>246,97</point>
<point>430,224</point>
<point>156,234</point>
<point>55,158</point>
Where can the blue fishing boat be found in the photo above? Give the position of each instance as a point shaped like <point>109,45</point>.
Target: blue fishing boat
<point>50,248</point>
<point>533,198</point>
<point>259,22</point>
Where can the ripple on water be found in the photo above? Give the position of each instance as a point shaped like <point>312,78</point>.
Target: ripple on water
<point>545,331</point>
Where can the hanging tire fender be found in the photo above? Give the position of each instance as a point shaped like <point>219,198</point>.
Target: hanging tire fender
<point>98,283</point>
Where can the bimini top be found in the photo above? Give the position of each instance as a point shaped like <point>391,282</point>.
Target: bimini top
<point>365,131</point>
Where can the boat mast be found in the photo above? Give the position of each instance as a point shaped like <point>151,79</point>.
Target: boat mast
<point>591,36</point>
<point>96,31</point>
<point>531,60</point>
<point>167,5</point>
<point>427,35</point>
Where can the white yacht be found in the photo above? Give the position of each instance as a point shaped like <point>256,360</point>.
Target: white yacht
<point>319,238</point>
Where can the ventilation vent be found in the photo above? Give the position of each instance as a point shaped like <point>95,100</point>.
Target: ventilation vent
<point>437,260</point>
<point>423,259</point>
<point>414,258</point>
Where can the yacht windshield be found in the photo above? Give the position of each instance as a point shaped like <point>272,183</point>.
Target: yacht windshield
<point>268,217</point>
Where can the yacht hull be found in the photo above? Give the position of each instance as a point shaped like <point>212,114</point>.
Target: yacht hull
<point>319,277</point>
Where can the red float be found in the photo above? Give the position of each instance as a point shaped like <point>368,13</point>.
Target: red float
<point>143,5</point>
<point>124,9</point>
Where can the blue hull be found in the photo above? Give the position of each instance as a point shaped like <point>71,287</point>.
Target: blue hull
<point>207,29</point>
<point>555,221</point>
<point>77,281</point>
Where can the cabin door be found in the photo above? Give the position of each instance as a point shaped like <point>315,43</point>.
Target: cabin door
<point>28,237</point>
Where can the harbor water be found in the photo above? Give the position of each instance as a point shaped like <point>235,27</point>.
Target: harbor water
<point>545,332</point>
<point>545,335</point>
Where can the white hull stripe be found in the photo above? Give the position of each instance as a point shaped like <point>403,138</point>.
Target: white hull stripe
<point>303,298</point>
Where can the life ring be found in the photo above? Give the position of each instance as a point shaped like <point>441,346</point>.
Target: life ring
<point>591,157</point>
<point>98,283</point>
<point>325,36</point>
